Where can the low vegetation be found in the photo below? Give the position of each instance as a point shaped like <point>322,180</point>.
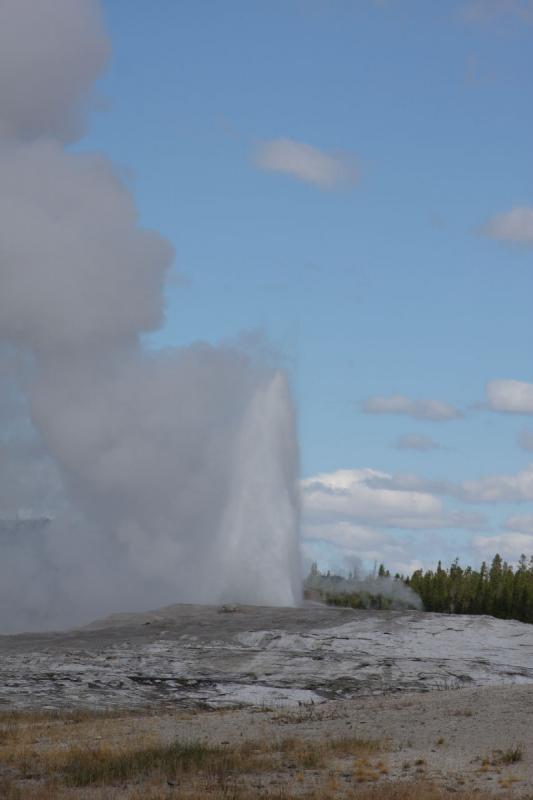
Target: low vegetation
<point>44,756</point>
<point>399,791</point>
<point>124,756</point>
<point>102,765</point>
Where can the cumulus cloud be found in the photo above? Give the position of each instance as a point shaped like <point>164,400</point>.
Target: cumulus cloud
<point>50,54</point>
<point>514,397</point>
<point>347,494</point>
<point>515,226</point>
<point>434,410</point>
<point>353,513</point>
<point>306,163</point>
<point>525,440</point>
<point>364,496</point>
<point>415,441</point>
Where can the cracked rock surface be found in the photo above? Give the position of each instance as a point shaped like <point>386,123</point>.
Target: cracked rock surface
<point>189,655</point>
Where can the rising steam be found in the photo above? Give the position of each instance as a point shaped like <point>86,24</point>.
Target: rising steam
<point>360,590</point>
<point>168,476</point>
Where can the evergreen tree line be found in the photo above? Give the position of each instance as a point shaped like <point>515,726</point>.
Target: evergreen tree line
<point>500,590</point>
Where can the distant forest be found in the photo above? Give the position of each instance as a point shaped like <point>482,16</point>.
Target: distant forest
<point>501,590</point>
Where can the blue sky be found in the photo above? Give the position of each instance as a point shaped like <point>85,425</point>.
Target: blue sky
<point>354,179</point>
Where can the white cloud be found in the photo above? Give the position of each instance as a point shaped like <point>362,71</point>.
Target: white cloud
<point>500,488</point>
<point>349,514</point>
<point>306,163</point>
<point>366,496</point>
<point>486,10</point>
<point>434,410</point>
<point>348,536</point>
<point>414,441</point>
<point>515,226</point>
<point>516,487</point>
<point>515,397</point>
<point>340,544</point>
<point>345,494</point>
<point>407,482</point>
<point>509,545</point>
<point>525,440</point>
<point>520,522</point>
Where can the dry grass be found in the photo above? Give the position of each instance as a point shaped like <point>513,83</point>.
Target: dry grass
<point>18,726</point>
<point>229,791</point>
<point>180,760</point>
<point>49,755</point>
<point>104,766</point>
<point>318,754</point>
<point>305,715</point>
<point>504,758</point>
<point>512,755</point>
<point>74,716</point>
<point>463,712</point>
<point>122,756</point>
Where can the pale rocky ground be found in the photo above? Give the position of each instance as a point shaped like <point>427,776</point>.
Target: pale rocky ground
<point>453,693</point>
<point>189,655</point>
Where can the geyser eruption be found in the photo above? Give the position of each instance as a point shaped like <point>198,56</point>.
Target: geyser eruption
<point>262,513</point>
<point>169,476</point>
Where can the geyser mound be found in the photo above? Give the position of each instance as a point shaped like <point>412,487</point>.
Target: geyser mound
<point>195,655</point>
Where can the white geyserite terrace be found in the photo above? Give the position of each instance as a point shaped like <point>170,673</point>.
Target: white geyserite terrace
<point>189,655</point>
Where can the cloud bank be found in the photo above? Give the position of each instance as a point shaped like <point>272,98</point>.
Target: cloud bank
<point>516,487</point>
<point>367,496</point>
<point>510,545</point>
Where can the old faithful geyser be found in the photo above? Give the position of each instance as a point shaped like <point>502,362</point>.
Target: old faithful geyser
<point>168,476</point>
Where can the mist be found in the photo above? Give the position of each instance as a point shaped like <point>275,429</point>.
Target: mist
<point>129,478</point>
<point>369,587</point>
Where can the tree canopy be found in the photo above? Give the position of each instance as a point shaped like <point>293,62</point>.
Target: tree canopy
<point>500,590</point>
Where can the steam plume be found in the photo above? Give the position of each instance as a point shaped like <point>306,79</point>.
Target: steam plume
<point>169,476</point>
<point>370,590</point>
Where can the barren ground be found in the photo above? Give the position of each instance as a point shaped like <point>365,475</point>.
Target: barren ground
<point>332,703</point>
